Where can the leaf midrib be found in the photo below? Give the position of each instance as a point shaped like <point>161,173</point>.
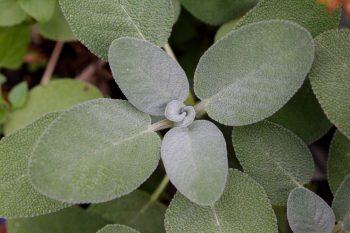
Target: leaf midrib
<point>132,21</point>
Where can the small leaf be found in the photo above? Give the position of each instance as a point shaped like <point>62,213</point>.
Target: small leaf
<point>244,207</point>
<point>237,90</point>
<point>338,161</point>
<point>98,23</point>
<point>148,77</point>
<point>275,157</point>
<point>117,229</point>
<point>225,29</point>
<point>330,77</point>
<point>18,95</point>
<point>135,210</point>
<point>2,79</point>
<point>17,197</point>
<point>179,113</point>
<point>95,152</point>
<point>341,204</point>
<point>308,213</point>
<point>11,13</point>
<point>40,10</point>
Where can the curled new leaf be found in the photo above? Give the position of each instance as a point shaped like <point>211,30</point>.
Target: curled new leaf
<point>177,112</point>
<point>115,228</point>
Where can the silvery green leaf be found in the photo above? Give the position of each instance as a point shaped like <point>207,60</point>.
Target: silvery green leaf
<point>17,196</point>
<point>275,157</point>
<point>244,207</point>
<point>177,112</point>
<point>147,76</point>
<point>308,213</point>
<point>274,59</point>
<point>115,228</point>
<point>341,205</point>
<point>195,160</point>
<point>98,23</point>
<point>95,152</point>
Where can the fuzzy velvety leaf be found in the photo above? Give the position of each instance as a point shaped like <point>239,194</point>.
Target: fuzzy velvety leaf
<point>341,204</point>
<point>18,95</point>
<point>244,207</point>
<point>330,77</point>
<point>55,96</point>
<point>17,197</point>
<point>40,10</point>
<point>11,13</point>
<point>148,77</point>
<point>177,9</point>
<point>274,59</point>
<point>338,161</point>
<point>195,159</point>
<point>115,228</point>
<point>273,156</point>
<point>98,23</point>
<point>95,152</point>
<point>135,210</point>
<point>308,213</point>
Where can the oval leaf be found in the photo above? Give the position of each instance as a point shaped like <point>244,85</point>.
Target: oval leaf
<point>40,10</point>
<point>195,159</point>
<point>92,151</point>
<point>17,196</point>
<point>273,55</point>
<point>117,229</point>
<point>273,156</point>
<point>148,77</point>
<point>11,13</point>
<point>341,205</point>
<point>244,207</point>
<point>307,212</point>
<point>18,95</point>
<point>330,77</point>
<point>97,24</point>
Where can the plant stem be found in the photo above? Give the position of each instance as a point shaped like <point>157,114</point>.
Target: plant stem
<point>52,63</point>
<point>170,51</point>
<point>160,189</point>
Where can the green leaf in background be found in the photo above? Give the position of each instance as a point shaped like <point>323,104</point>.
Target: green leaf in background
<point>330,77</point>
<point>117,229</point>
<point>195,159</point>
<point>11,13</point>
<point>273,156</point>
<point>57,27</point>
<point>308,213</point>
<point>18,95</point>
<point>338,161</point>
<point>2,79</point>
<point>303,115</point>
<point>3,112</point>
<point>95,152</point>
<point>40,10</point>
<point>147,76</point>
<point>17,196</point>
<point>135,210</point>
<point>97,24</point>
<point>225,29</point>
<point>56,96</point>
<point>341,205</point>
<point>71,220</point>
<point>274,59</point>
<point>216,12</point>
<point>244,207</point>
<point>14,42</point>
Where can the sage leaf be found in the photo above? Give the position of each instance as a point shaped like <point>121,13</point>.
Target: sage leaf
<point>97,24</point>
<point>195,159</point>
<point>177,112</point>
<point>237,90</point>
<point>244,207</point>
<point>117,229</point>
<point>11,13</point>
<point>17,196</point>
<point>338,161</point>
<point>18,95</point>
<point>147,76</point>
<point>177,9</point>
<point>95,152</point>
<point>341,205</point>
<point>330,77</point>
<point>40,10</point>
<point>135,210</point>
<point>71,220</point>
<point>308,213</point>
<point>275,157</point>
<point>56,96</point>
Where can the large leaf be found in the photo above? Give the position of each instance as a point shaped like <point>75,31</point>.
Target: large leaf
<point>308,213</point>
<point>95,152</point>
<point>338,161</point>
<point>341,205</point>
<point>11,13</point>
<point>98,23</point>
<point>274,59</point>
<point>195,159</point>
<point>330,77</point>
<point>244,207</point>
<point>17,197</point>
<point>40,10</point>
<point>71,220</point>
<point>148,77</point>
<point>273,156</point>
<point>57,95</point>
<point>115,228</point>
<point>135,210</point>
